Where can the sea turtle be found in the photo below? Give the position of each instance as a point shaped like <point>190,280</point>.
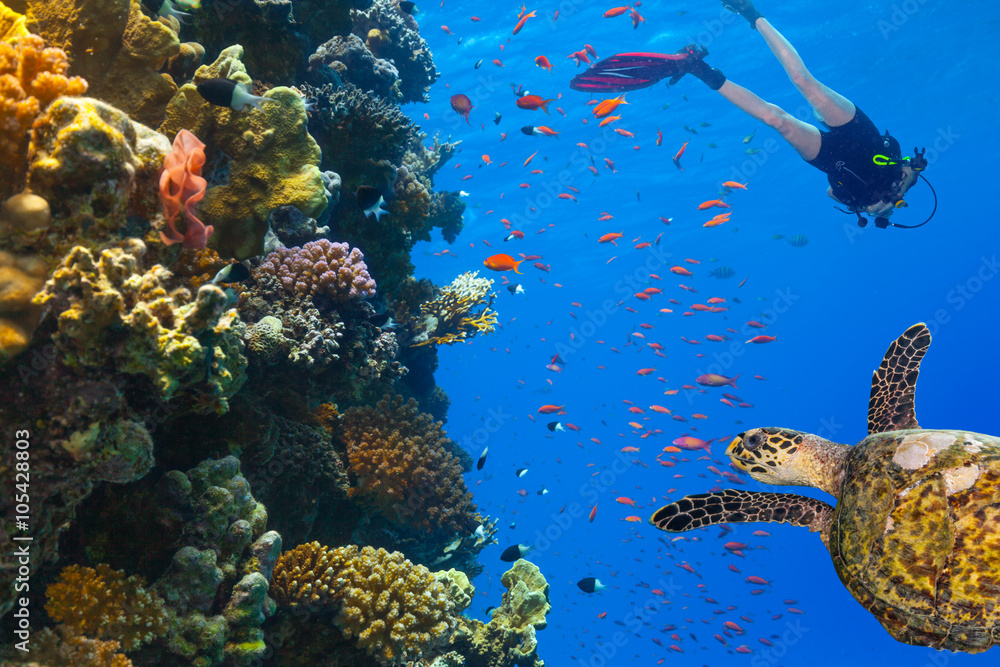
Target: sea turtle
<point>915,535</point>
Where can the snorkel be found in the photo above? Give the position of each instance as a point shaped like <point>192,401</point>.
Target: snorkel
<point>912,169</point>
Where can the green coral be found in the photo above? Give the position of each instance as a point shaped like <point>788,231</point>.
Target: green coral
<point>273,161</point>
<point>109,313</point>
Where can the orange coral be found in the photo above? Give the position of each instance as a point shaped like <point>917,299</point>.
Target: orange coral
<point>395,610</point>
<point>31,78</point>
<point>401,460</point>
<point>65,648</point>
<point>105,604</point>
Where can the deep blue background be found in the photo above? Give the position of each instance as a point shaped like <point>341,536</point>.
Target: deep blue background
<point>924,70</point>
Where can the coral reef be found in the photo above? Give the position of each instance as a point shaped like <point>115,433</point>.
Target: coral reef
<point>115,47</point>
<point>394,610</point>
<point>509,638</point>
<point>354,63</point>
<point>452,316</point>
<point>272,159</point>
<point>21,278</point>
<point>402,466</point>
<point>321,268</point>
<point>105,604</point>
<point>31,78</point>
<point>62,647</point>
<point>401,44</point>
<point>110,314</point>
<point>95,167</point>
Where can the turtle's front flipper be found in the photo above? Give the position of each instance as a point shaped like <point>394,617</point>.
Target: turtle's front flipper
<point>890,407</point>
<point>732,506</point>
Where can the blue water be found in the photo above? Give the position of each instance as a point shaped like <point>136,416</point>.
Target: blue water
<point>923,70</point>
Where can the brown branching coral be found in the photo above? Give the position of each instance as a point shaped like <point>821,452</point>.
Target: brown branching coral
<point>105,604</point>
<point>401,461</point>
<point>453,316</point>
<point>65,648</point>
<point>393,609</point>
<point>31,78</point>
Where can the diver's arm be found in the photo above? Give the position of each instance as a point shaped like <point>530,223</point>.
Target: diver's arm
<point>829,193</point>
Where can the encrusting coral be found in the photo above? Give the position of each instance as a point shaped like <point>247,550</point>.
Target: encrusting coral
<point>105,604</point>
<point>31,78</point>
<point>393,609</point>
<point>272,159</point>
<point>402,465</point>
<point>453,315</point>
<point>110,312</point>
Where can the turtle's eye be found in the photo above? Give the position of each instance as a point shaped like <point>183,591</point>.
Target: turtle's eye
<point>753,441</point>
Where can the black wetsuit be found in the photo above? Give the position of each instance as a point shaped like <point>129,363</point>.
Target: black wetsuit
<point>845,155</point>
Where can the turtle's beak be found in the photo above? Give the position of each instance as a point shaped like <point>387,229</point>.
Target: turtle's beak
<point>734,450</point>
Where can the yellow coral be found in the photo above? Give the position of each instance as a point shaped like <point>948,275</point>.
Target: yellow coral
<point>21,278</point>
<point>395,610</point>
<point>105,604</point>
<point>274,160</point>
<point>11,24</point>
<point>66,648</point>
<point>449,318</point>
<point>31,78</point>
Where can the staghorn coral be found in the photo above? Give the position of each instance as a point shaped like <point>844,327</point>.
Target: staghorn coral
<point>31,78</point>
<point>96,167</point>
<point>401,45</point>
<point>273,161</point>
<point>105,604</point>
<point>452,316</point>
<point>115,47</point>
<point>321,268</point>
<point>402,466</point>
<point>354,63</point>
<point>111,314</point>
<point>394,610</point>
<point>63,647</point>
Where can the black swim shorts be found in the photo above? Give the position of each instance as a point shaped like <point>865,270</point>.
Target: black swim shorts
<point>846,155</point>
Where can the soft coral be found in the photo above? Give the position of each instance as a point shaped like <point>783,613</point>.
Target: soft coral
<point>181,187</point>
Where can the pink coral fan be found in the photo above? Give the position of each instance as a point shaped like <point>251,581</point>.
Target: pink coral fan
<point>321,267</point>
<point>181,187</point>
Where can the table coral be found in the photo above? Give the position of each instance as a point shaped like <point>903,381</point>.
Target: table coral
<point>453,315</point>
<point>394,610</point>
<point>321,268</point>
<point>96,167</point>
<point>273,161</point>
<point>109,312</point>
<point>31,78</point>
<point>400,460</point>
<point>105,604</point>
<point>116,47</point>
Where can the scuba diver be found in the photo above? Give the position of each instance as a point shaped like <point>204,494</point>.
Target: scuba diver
<point>866,169</point>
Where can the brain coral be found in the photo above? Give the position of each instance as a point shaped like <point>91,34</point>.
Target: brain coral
<point>395,610</point>
<point>402,465</point>
<point>31,78</point>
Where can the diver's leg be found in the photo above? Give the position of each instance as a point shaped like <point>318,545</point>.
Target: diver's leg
<point>803,137</point>
<point>832,107</point>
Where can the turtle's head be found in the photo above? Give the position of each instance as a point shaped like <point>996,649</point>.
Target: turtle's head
<point>786,457</point>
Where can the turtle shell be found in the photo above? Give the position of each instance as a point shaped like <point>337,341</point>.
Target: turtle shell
<point>916,536</point>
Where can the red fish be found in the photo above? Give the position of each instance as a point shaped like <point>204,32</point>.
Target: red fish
<point>503,262</point>
<point>533,102</point>
<point>462,105</point>
<point>544,63</point>
<point>524,19</point>
<point>550,409</point>
<point>616,11</point>
<point>713,380</point>
<point>636,18</point>
<point>677,157</point>
<point>763,339</point>
<point>611,237</point>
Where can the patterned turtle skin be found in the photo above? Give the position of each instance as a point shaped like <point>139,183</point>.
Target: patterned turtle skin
<point>915,535</point>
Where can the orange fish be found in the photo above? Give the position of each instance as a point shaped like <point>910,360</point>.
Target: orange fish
<point>530,157</point>
<point>677,157</point>
<point>718,203</point>
<point>550,409</point>
<point>547,131</point>
<point>636,19</point>
<point>580,56</point>
<point>660,409</point>
<point>486,159</point>
<point>625,501</point>
<point>524,19</point>
<point>633,519</point>
<point>680,270</point>
<point>608,120</point>
<point>462,105</point>
<point>602,614</point>
<point>606,107</point>
<point>630,450</point>
<point>659,137</point>
<point>645,371</point>
<point>616,11</point>
<point>533,102</point>
<point>593,513</point>
<point>544,63</point>
<point>611,238</point>
<point>624,133</point>
<point>733,185</point>
<point>502,262</point>
<point>566,195</point>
